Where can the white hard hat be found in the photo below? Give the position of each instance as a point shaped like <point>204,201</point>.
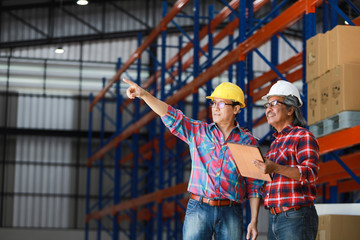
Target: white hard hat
<point>282,89</point>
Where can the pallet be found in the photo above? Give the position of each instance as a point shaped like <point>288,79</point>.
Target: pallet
<point>346,119</point>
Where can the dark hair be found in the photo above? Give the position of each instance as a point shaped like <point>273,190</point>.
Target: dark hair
<point>299,119</point>
<point>235,103</point>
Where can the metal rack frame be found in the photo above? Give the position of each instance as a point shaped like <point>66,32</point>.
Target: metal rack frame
<point>164,201</point>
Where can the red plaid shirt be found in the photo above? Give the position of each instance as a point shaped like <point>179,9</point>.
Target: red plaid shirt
<point>294,147</point>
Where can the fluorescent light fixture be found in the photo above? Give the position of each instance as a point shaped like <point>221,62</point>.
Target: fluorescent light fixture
<point>59,50</point>
<point>82,2</point>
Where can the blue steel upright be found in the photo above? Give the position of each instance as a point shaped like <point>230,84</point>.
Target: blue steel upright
<point>196,48</point>
<point>210,60</point>
<point>309,30</point>
<point>117,183</point>
<point>250,71</point>
<point>240,64</point>
<point>161,159</point>
<point>88,169</point>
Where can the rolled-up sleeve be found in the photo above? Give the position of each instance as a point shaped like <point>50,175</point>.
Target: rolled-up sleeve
<point>308,157</point>
<point>253,187</point>
<point>179,124</point>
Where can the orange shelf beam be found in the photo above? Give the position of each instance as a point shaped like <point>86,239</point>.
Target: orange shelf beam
<point>342,187</point>
<point>214,23</point>
<point>157,196</point>
<point>225,12</point>
<point>278,24</point>
<point>348,186</point>
<point>168,210</point>
<point>339,140</point>
<point>332,170</point>
<point>229,29</point>
<point>291,77</point>
<point>332,179</point>
<point>223,33</point>
<point>332,167</point>
<point>284,67</point>
<point>145,149</point>
<point>153,35</point>
<point>356,21</point>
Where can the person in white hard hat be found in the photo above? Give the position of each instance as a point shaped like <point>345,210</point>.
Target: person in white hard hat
<point>215,186</point>
<point>293,162</point>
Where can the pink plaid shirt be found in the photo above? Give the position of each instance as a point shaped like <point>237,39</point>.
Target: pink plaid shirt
<point>213,174</point>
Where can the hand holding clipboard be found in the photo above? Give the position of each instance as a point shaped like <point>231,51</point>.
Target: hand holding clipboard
<point>244,156</point>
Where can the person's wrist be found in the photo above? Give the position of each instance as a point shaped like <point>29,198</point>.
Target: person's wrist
<point>143,94</point>
<point>275,168</point>
<point>253,221</point>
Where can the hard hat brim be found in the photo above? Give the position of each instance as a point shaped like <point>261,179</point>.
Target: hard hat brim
<point>267,96</point>
<point>242,105</point>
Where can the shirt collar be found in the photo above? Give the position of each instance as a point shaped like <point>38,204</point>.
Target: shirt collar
<point>285,131</point>
<point>237,125</point>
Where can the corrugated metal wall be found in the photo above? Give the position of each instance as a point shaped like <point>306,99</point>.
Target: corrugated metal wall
<point>42,182</point>
<point>45,113</point>
<point>40,169</point>
<point>45,76</point>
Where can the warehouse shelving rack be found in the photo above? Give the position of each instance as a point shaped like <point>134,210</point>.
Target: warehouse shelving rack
<point>161,208</point>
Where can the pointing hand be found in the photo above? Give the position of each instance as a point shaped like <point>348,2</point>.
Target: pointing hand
<point>134,90</point>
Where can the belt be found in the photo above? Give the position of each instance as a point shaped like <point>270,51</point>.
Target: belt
<point>277,210</point>
<point>212,202</point>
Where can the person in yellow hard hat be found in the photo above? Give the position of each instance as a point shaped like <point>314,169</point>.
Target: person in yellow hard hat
<point>215,186</point>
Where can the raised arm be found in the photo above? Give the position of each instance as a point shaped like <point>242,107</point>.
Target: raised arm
<point>134,90</point>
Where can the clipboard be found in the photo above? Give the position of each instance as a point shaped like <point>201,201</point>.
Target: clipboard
<point>244,155</point>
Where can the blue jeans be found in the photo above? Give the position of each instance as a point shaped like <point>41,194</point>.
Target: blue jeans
<point>202,221</point>
<point>301,224</point>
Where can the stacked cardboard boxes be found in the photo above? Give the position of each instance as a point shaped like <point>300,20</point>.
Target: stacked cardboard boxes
<point>338,227</point>
<point>333,73</point>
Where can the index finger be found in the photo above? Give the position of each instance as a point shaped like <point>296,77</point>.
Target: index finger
<point>128,82</point>
<point>256,161</point>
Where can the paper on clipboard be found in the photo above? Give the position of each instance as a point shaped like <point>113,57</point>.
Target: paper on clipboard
<point>244,155</point>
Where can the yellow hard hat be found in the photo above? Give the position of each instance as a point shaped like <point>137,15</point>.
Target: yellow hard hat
<point>228,90</point>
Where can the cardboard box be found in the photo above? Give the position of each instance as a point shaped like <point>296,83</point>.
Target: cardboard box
<point>317,60</point>
<point>324,86</point>
<point>344,89</point>
<point>313,101</point>
<point>343,44</point>
<point>338,227</point>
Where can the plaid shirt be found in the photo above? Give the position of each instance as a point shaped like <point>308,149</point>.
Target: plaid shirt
<point>294,147</point>
<point>213,174</point>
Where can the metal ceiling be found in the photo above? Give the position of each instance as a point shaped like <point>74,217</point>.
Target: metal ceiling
<point>41,22</point>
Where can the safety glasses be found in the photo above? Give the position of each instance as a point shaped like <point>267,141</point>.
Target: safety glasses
<point>221,105</point>
<point>273,103</point>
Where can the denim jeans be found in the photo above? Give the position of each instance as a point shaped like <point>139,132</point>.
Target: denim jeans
<point>301,224</point>
<point>202,221</point>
